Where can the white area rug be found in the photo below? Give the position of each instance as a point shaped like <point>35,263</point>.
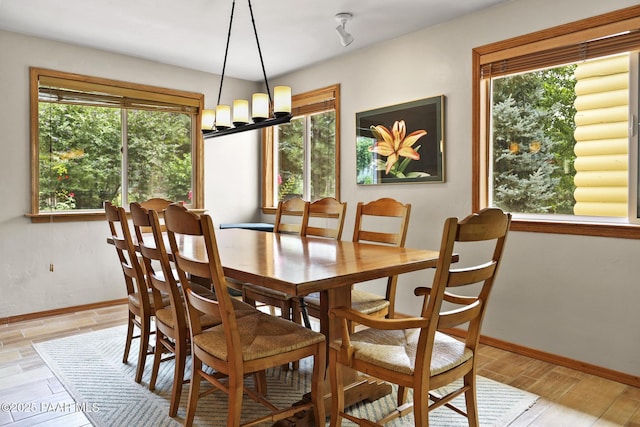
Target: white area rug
<point>90,367</point>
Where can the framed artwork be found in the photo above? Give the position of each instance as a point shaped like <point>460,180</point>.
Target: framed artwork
<point>401,143</point>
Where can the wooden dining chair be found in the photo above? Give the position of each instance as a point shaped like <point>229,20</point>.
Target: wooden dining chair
<point>325,219</point>
<point>240,345</point>
<point>141,306</point>
<point>172,331</point>
<point>383,221</point>
<point>157,204</point>
<point>417,352</point>
<point>291,216</point>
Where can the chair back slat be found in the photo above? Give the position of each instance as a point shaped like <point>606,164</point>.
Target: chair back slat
<point>488,229</point>
<point>180,221</point>
<point>468,276</point>
<point>123,242</point>
<point>287,214</point>
<point>385,208</point>
<point>329,210</point>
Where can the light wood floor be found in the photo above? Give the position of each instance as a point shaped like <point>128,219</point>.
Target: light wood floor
<point>567,397</point>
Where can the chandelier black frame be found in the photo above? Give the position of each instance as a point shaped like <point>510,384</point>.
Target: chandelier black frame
<point>277,117</point>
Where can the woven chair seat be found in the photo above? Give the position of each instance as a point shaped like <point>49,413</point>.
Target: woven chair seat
<point>261,336</point>
<point>396,350</point>
<point>268,292</point>
<point>165,315</point>
<point>134,299</point>
<point>362,301</point>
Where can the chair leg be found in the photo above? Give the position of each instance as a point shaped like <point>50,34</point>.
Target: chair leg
<point>470,399</point>
<point>289,309</point>
<point>403,394</point>
<point>421,407</point>
<point>305,312</point>
<point>337,389</point>
<point>235,401</point>
<point>144,347</point>
<point>178,377</point>
<point>157,358</point>
<point>260,380</point>
<point>194,391</point>
<point>127,345</point>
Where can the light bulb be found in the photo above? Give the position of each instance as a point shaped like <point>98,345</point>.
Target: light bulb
<point>281,100</point>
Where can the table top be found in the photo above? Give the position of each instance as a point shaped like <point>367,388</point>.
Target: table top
<point>300,265</point>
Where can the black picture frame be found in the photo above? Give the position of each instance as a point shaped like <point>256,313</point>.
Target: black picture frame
<point>421,115</point>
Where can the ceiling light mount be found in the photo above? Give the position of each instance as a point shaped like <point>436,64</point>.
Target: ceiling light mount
<point>265,112</point>
<point>345,38</point>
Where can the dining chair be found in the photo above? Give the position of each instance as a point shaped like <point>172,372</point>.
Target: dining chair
<point>325,219</point>
<point>383,221</point>
<point>158,204</point>
<point>240,345</point>
<point>141,306</point>
<point>418,352</point>
<point>291,216</point>
<point>172,332</point>
<point>329,215</point>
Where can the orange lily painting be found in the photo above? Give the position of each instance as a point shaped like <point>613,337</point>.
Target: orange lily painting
<point>401,143</point>
<point>396,143</point>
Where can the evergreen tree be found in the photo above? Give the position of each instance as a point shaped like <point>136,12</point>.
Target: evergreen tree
<point>533,141</point>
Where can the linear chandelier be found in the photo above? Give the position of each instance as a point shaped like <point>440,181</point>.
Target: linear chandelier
<point>265,112</point>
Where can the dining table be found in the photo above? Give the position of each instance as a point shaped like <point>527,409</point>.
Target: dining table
<point>300,265</point>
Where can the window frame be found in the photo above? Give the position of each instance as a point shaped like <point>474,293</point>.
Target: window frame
<point>119,88</point>
<point>306,103</point>
<point>574,34</point>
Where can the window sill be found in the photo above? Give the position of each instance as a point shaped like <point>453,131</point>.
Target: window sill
<point>47,217</point>
<point>599,229</point>
<point>66,216</point>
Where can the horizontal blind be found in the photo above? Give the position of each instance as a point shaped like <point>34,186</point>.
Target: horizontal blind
<point>315,102</point>
<point>318,107</point>
<point>82,92</point>
<point>576,52</point>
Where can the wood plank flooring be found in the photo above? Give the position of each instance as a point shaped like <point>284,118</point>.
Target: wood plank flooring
<point>35,397</point>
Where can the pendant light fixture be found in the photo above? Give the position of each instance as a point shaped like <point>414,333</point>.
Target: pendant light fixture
<point>265,111</point>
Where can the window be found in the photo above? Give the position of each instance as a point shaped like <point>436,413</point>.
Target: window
<point>301,158</point>
<point>96,139</point>
<point>552,113</point>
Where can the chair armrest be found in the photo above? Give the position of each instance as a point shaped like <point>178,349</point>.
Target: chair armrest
<point>422,291</point>
<point>348,313</point>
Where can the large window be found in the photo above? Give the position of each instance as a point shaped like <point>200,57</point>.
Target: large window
<point>301,158</point>
<point>95,140</point>
<point>553,141</point>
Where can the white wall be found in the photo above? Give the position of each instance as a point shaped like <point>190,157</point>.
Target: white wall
<point>568,295</point>
<point>85,268</point>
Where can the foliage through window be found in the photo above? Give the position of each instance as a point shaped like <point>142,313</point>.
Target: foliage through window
<point>551,138</point>
<point>302,156</point>
<point>103,140</point>
<point>532,127</point>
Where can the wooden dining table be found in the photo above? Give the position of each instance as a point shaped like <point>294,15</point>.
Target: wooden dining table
<point>301,265</point>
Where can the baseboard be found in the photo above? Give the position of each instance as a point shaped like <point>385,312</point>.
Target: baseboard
<point>58,311</point>
<point>556,360</point>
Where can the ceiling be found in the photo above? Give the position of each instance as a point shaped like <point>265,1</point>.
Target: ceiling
<point>192,33</point>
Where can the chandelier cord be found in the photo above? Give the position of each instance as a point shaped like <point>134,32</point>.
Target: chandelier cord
<point>226,50</point>
<point>255,32</point>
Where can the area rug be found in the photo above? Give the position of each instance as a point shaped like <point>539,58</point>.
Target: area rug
<point>90,368</point>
